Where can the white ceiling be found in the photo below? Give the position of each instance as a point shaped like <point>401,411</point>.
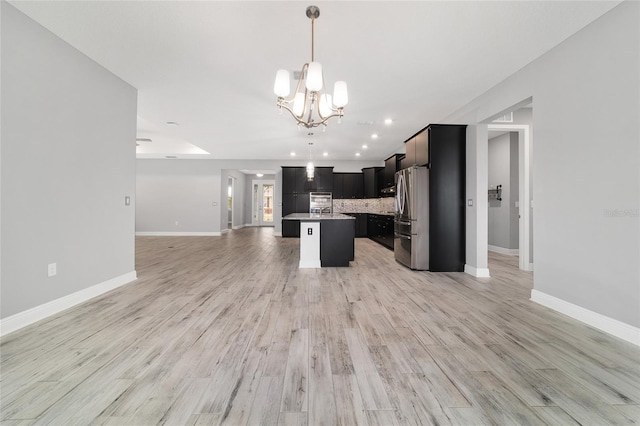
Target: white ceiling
<point>210,66</point>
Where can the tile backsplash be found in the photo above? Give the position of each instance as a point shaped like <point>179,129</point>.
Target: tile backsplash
<point>367,205</point>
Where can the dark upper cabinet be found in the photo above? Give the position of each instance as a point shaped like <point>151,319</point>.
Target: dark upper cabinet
<point>348,185</point>
<point>410,156</point>
<point>379,180</point>
<point>338,185</point>
<point>289,180</point>
<point>417,148</point>
<point>353,186</point>
<point>324,179</point>
<point>391,166</point>
<point>371,185</point>
<point>422,147</point>
<point>389,171</point>
<point>294,180</point>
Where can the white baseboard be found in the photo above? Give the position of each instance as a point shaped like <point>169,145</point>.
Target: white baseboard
<point>609,325</point>
<point>178,234</point>
<point>477,272</point>
<point>277,234</point>
<point>502,250</point>
<point>24,318</point>
<point>309,264</point>
<point>238,226</point>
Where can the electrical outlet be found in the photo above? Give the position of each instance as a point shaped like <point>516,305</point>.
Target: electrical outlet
<point>52,269</point>
<point>127,201</point>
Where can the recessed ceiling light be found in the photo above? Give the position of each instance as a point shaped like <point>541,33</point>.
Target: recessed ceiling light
<point>259,174</point>
<point>172,123</point>
<point>293,154</point>
<point>374,136</point>
<point>325,154</point>
<point>143,139</point>
<point>364,147</point>
<point>357,154</point>
<point>388,121</point>
<point>170,156</point>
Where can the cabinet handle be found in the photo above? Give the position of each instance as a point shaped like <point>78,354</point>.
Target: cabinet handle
<point>404,237</point>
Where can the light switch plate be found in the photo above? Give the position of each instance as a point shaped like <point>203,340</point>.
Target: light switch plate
<point>470,202</point>
<point>52,269</point>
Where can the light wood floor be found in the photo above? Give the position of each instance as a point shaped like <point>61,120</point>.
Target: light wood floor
<point>226,330</point>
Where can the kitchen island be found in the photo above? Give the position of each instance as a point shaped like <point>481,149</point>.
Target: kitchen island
<point>325,239</point>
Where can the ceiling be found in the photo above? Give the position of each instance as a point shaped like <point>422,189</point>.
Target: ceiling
<point>209,66</point>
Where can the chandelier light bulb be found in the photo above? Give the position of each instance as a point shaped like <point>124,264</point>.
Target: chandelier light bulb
<point>340,96</point>
<point>314,77</point>
<point>325,105</point>
<point>298,104</point>
<point>282,87</point>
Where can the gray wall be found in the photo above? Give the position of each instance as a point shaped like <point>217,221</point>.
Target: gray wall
<point>503,170</point>
<point>193,193</point>
<point>183,196</point>
<point>68,161</point>
<point>586,159</point>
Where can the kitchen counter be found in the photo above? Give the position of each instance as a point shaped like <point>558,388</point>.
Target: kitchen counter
<point>313,217</point>
<point>325,239</point>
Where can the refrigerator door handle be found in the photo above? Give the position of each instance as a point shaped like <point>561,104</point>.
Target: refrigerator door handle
<point>404,222</point>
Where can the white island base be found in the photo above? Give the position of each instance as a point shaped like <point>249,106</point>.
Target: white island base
<point>310,245</point>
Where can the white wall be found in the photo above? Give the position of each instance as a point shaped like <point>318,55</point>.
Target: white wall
<point>586,165</point>
<point>68,161</point>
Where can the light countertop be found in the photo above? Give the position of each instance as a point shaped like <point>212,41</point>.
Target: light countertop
<point>310,217</point>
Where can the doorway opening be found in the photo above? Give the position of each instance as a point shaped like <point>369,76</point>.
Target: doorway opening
<point>230,190</point>
<point>262,202</point>
<point>510,185</point>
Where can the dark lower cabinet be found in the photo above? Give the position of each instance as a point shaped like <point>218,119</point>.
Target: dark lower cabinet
<point>336,242</point>
<point>291,228</point>
<point>380,229</point>
<point>361,224</point>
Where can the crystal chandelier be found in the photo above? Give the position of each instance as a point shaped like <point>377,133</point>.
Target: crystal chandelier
<point>309,106</point>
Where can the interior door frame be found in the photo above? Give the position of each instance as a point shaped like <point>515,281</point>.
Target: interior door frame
<point>524,196</point>
<point>261,183</point>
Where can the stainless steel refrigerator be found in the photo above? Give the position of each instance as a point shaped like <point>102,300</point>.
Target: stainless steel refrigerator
<point>411,220</point>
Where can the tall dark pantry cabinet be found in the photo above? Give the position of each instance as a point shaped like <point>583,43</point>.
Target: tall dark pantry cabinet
<point>442,149</point>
